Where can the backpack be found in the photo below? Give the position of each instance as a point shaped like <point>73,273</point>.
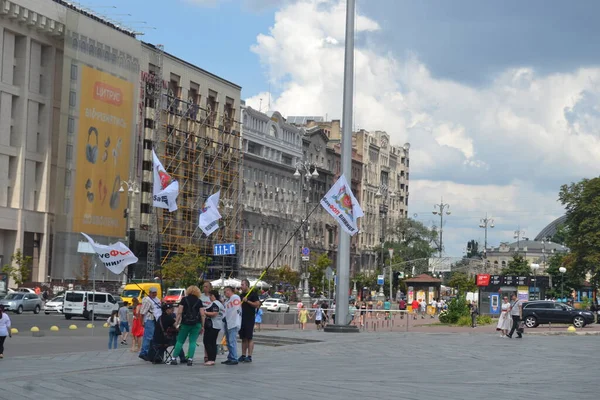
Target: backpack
<point>191,316</point>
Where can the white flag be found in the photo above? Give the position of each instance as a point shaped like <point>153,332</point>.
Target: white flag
<point>166,189</point>
<point>343,206</point>
<point>209,215</point>
<point>115,256</point>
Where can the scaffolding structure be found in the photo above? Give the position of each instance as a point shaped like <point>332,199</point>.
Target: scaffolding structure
<point>202,149</point>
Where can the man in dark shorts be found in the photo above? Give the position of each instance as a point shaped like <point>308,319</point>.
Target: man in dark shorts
<point>250,302</point>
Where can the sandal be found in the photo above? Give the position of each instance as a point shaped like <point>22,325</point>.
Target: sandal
<point>205,359</point>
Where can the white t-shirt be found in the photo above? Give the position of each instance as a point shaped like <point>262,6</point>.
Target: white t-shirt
<point>4,324</point>
<point>113,322</point>
<point>505,307</point>
<point>515,307</point>
<point>233,312</point>
<point>319,314</point>
<point>206,301</point>
<point>217,321</point>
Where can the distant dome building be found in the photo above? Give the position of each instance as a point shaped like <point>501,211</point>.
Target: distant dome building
<point>551,228</point>
<point>534,251</point>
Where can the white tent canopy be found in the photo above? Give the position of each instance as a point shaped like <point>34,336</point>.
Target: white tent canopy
<point>259,284</point>
<point>219,283</point>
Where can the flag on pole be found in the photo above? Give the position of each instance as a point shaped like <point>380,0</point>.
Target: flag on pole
<point>166,189</point>
<point>209,215</point>
<point>115,256</point>
<point>343,206</point>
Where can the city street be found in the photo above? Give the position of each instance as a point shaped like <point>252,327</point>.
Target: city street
<point>372,365</point>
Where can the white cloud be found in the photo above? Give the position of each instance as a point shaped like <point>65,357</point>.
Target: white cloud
<point>504,148</point>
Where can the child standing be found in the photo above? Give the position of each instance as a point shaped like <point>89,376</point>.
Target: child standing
<point>258,319</point>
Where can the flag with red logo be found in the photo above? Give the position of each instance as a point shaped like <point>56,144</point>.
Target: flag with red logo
<point>209,214</point>
<point>166,189</point>
<point>343,206</point>
<point>115,256</point>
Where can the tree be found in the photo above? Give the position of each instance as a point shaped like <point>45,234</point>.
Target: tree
<point>517,266</point>
<point>317,270</point>
<point>582,227</point>
<point>363,280</point>
<point>473,249</point>
<point>462,282</point>
<point>185,267</point>
<point>282,275</point>
<point>84,270</point>
<point>19,269</point>
<point>571,280</point>
<point>560,236</point>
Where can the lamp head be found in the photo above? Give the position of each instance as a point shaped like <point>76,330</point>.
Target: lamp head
<point>315,172</point>
<point>297,173</point>
<point>121,190</point>
<point>378,194</point>
<point>562,270</point>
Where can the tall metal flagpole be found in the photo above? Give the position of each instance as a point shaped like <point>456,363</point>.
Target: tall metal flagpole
<point>343,259</point>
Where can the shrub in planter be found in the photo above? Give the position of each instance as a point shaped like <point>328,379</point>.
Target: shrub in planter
<point>464,320</point>
<point>484,320</point>
<point>443,317</point>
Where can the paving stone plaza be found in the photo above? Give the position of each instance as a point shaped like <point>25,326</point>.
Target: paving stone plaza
<point>380,365</point>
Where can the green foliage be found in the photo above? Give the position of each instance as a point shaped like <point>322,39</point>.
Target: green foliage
<point>464,320</point>
<point>413,241</point>
<point>582,226</point>
<point>317,270</point>
<point>473,249</point>
<point>517,266</point>
<point>571,280</point>
<point>457,308</point>
<point>585,304</point>
<point>484,320</point>
<point>443,317</point>
<point>363,280</point>
<point>184,268</point>
<point>19,268</point>
<point>462,282</point>
<point>282,275</point>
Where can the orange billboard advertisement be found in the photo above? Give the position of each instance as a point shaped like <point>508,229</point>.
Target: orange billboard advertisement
<point>103,153</point>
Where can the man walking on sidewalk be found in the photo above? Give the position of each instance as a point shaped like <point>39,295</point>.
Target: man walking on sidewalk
<point>516,312</point>
<point>250,302</point>
<point>233,319</point>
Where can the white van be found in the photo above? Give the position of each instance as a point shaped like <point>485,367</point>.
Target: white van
<point>85,304</point>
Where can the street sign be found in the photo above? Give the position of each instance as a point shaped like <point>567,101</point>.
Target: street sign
<point>329,273</point>
<point>380,279</point>
<point>224,249</point>
<point>305,254</point>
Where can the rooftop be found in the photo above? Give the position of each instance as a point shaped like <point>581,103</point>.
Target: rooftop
<point>423,278</point>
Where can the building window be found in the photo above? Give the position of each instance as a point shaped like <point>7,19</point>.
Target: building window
<point>72,98</point>
<point>73,72</point>
<point>70,126</point>
<point>69,155</point>
<point>67,178</point>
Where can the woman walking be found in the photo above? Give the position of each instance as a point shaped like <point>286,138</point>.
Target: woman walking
<point>137,328</point>
<point>303,317</point>
<point>4,329</point>
<point>189,322</point>
<point>113,332</point>
<point>505,321</point>
<point>212,326</point>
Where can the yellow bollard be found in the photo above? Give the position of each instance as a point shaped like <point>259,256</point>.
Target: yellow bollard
<point>72,327</point>
<point>89,326</point>
<point>14,331</point>
<point>54,328</point>
<point>105,325</point>
<point>34,329</point>
<point>571,329</point>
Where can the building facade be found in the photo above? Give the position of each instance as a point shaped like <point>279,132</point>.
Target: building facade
<point>535,252</point>
<point>80,113</point>
<point>271,194</point>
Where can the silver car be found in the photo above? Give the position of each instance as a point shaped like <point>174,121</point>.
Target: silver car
<point>20,301</point>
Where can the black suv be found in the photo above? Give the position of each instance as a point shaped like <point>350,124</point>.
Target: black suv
<point>543,312</point>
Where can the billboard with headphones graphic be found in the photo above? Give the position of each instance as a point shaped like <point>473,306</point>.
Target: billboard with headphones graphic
<point>105,128</point>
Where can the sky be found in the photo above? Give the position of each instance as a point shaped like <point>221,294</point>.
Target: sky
<point>499,100</point>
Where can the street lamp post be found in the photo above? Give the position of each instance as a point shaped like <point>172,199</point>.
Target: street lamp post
<point>440,209</point>
<point>535,267</point>
<point>562,271</point>
<point>518,234</point>
<point>132,189</point>
<point>485,223</point>
<point>305,167</point>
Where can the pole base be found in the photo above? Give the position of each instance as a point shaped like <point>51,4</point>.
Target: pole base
<point>332,328</point>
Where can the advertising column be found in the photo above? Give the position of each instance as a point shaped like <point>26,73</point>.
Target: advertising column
<point>103,153</point>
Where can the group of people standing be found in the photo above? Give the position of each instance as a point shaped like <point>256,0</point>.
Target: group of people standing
<point>198,313</point>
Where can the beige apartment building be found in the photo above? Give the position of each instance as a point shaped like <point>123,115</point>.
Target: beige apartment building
<point>76,135</point>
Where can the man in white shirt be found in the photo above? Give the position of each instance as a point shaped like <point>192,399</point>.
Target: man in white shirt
<point>151,311</point>
<point>233,321</point>
<point>516,312</point>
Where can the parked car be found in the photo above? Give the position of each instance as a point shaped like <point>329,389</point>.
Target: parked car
<point>544,312</point>
<point>275,305</point>
<point>25,290</point>
<point>54,305</point>
<point>174,296</point>
<point>21,301</point>
<point>88,304</point>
